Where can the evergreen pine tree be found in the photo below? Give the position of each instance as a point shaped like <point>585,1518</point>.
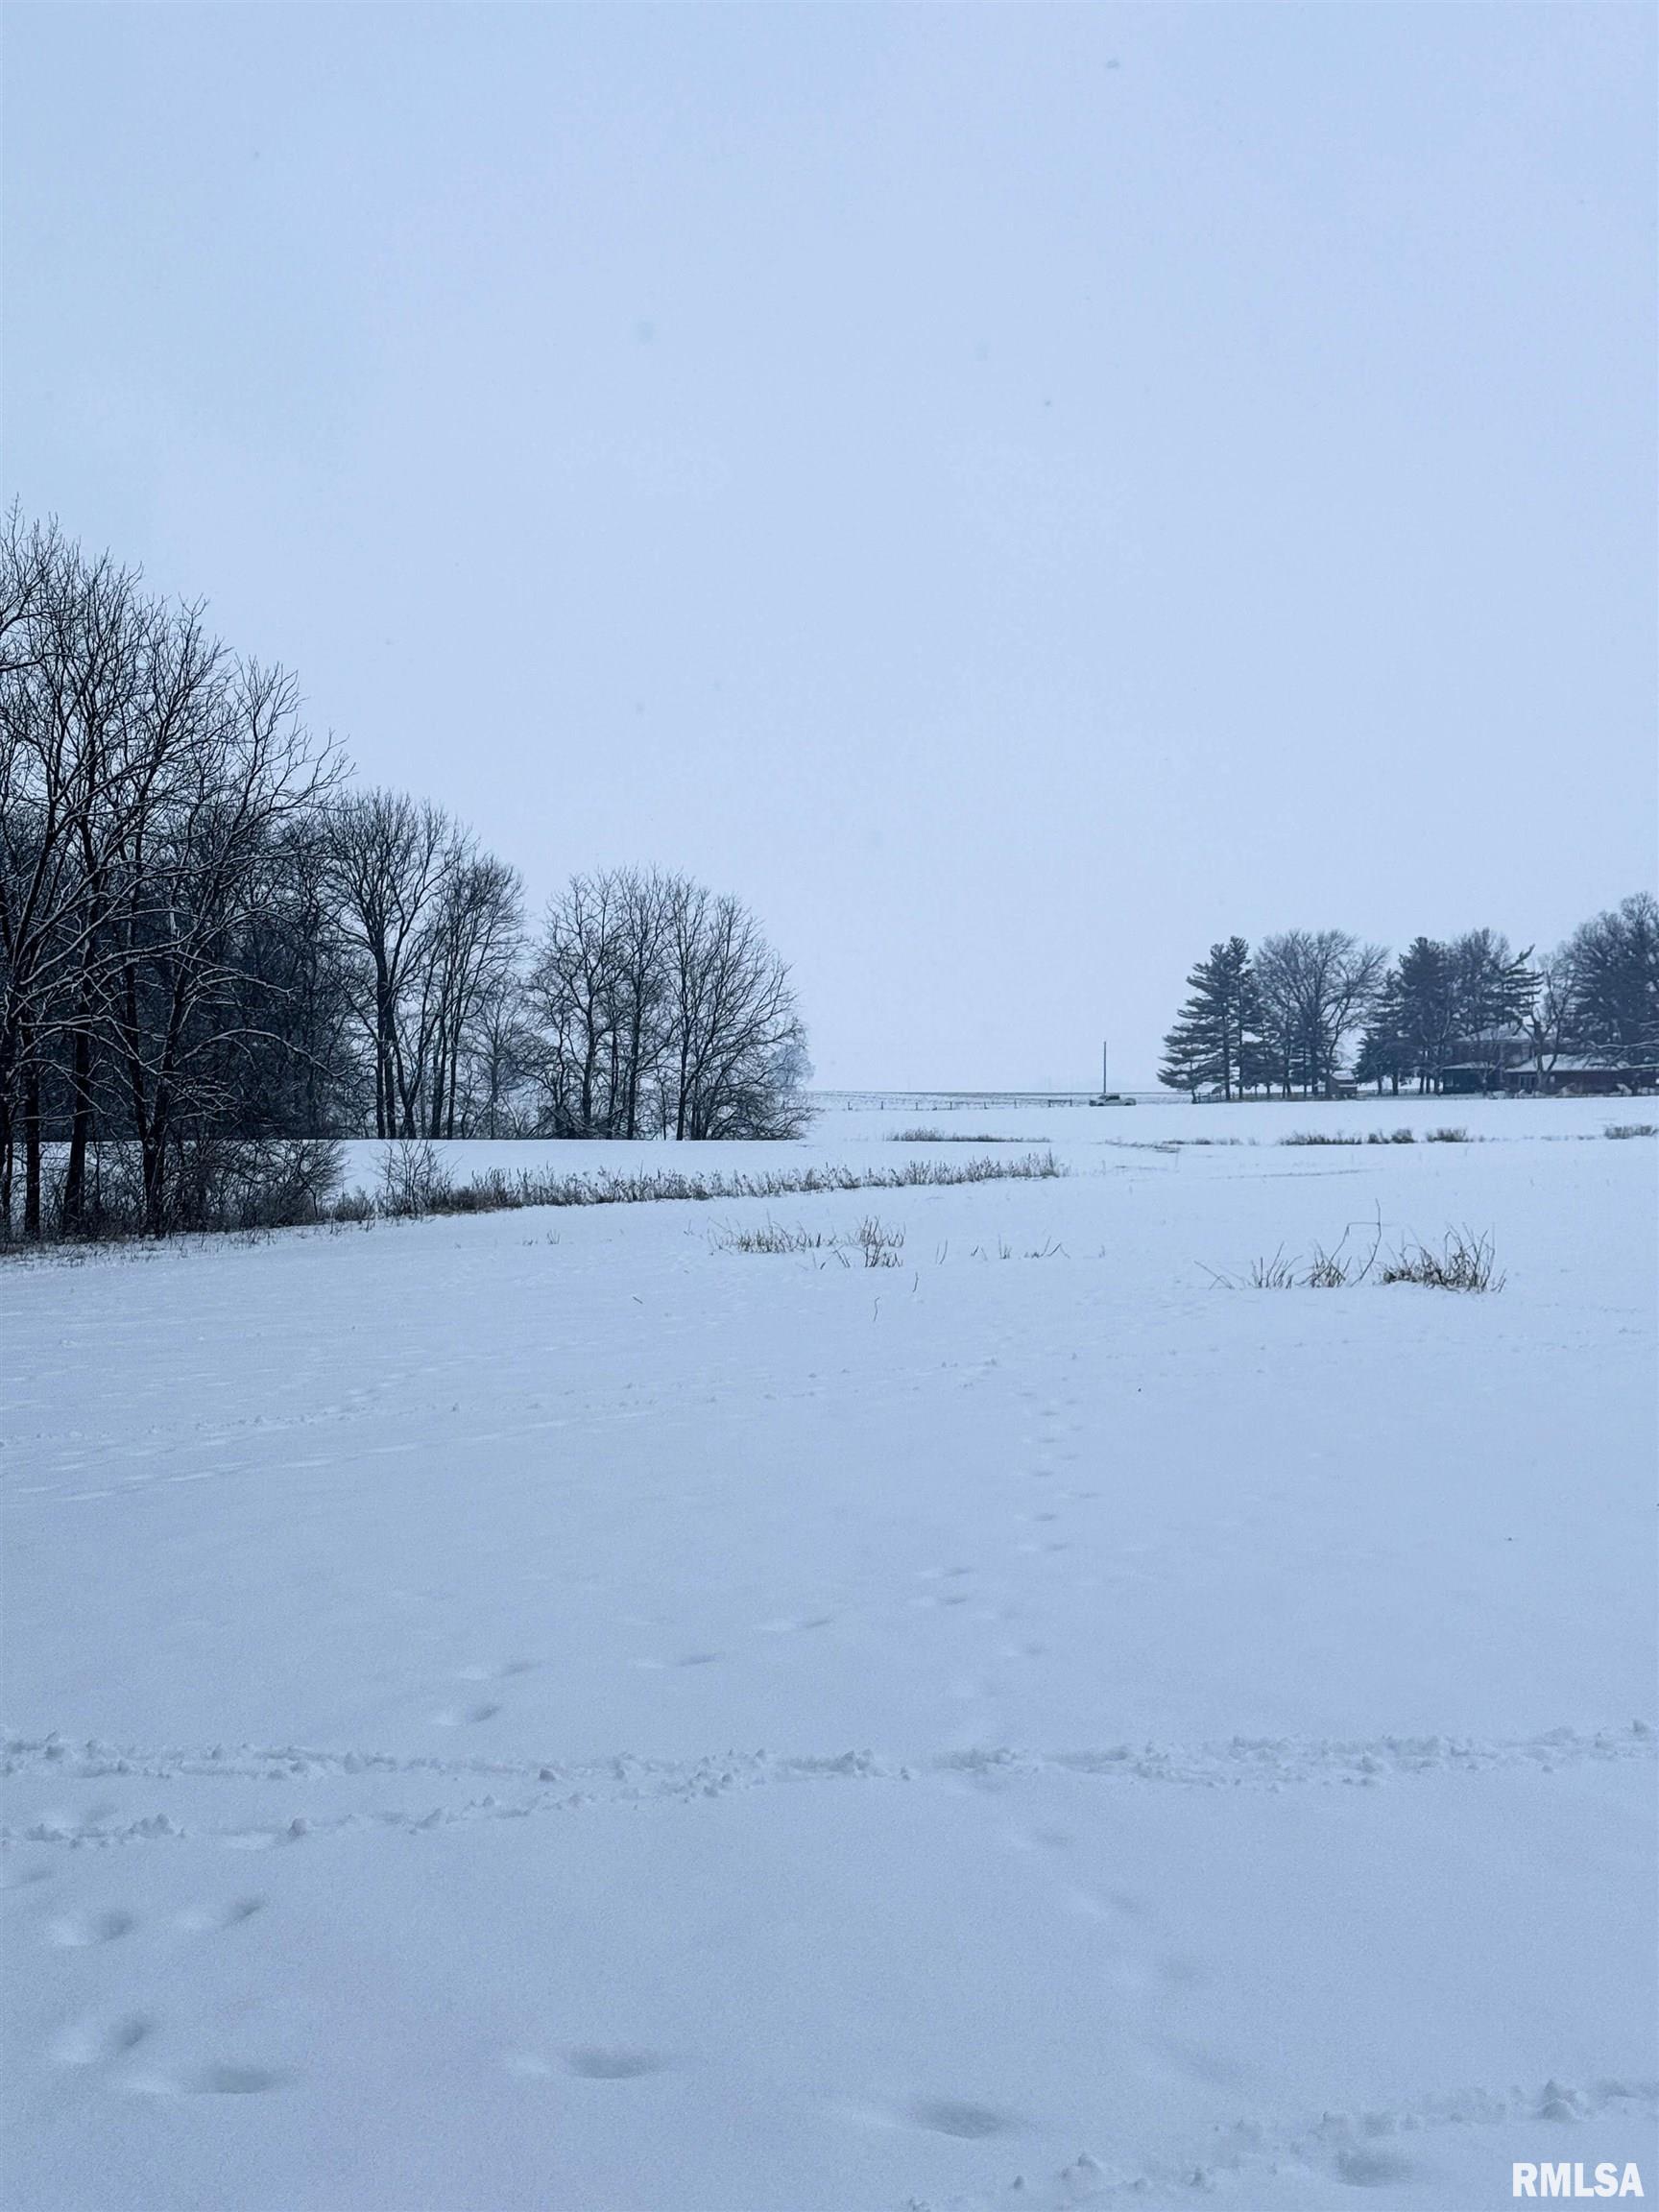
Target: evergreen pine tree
<point>1189,1063</point>
<point>1384,1053</point>
<point>1426,1010</point>
<point>1216,1030</point>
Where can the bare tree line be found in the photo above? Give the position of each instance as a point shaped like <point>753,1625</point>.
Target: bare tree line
<point>208,933</point>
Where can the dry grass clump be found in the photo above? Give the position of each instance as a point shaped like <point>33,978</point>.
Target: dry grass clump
<point>1631,1129</point>
<point>1463,1262</point>
<point>878,1245</point>
<point>773,1238</point>
<point>957,1137</point>
<point>1378,1137</point>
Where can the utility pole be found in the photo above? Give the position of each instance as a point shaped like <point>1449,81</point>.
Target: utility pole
<point>1105,1085</point>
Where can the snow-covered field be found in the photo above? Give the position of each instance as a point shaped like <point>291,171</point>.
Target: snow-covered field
<point>544,1711</point>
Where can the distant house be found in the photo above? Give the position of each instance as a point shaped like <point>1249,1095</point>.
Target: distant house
<point>1488,1062</point>
<point>1582,1075</point>
<point>1505,1062</point>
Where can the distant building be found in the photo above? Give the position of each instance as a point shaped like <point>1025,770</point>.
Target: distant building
<point>1581,1075</point>
<point>1487,1061</point>
<point>1503,1062</point>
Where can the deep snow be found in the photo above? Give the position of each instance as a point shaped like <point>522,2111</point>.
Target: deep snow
<point>540,1710</point>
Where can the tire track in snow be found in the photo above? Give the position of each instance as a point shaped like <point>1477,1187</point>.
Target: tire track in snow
<point>1270,1764</point>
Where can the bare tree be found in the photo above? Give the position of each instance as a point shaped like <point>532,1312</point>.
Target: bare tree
<point>1315,989</point>
<point>662,1007</point>
<point>576,991</point>
<point>1548,1016</point>
<point>645,906</point>
<point>503,1064</point>
<point>470,955</point>
<point>41,586</point>
<point>227,766</point>
<point>391,858</point>
<point>737,1052</point>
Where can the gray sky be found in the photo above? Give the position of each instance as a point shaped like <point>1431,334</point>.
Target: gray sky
<point>1016,492</point>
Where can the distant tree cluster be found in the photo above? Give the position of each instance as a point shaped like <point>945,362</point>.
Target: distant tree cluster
<point>207,932</point>
<point>657,1008</point>
<point>1310,1009</point>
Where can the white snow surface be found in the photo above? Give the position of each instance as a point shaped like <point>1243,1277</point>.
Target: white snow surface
<point>541,1710</point>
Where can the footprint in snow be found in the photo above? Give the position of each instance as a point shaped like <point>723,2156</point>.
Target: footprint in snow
<point>1367,2167</point>
<point>464,1716</point>
<point>98,2042</point>
<point>944,2116</point>
<point>613,2065</point>
<point>1041,1840</point>
<point>78,1930</point>
<point>265,1838</point>
<point>208,1919</point>
<point>208,2081</point>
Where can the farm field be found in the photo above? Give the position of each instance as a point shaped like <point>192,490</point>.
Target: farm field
<point>555,1709</point>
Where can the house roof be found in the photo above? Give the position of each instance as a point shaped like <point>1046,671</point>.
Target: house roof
<point>1564,1064</point>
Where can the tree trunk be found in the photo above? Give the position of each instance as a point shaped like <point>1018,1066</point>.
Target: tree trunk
<point>31,1149</point>
<point>80,1126</point>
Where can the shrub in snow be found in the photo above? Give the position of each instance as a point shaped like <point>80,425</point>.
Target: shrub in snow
<point>412,1180</point>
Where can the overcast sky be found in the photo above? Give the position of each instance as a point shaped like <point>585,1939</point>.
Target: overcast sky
<point>1014,492</point>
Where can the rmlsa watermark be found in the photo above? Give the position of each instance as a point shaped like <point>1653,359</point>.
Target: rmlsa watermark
<point>1563,2180</point>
